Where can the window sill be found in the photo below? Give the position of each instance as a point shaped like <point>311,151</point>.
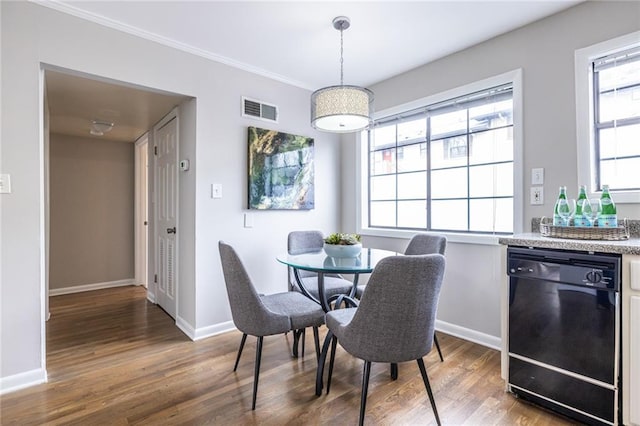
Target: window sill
<point>452,237</point>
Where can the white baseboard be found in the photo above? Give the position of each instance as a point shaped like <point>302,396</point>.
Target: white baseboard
<point>474,336</point>
<point>204,332</point>
<point>91,287</point>
<point>22,380</point>
<point>212,330</point>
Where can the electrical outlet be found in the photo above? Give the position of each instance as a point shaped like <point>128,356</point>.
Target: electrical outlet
<point>537,195</point>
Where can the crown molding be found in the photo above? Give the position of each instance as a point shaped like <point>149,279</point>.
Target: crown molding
<point>147,35</point>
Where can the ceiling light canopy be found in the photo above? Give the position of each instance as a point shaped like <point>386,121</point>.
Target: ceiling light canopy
<point>99,128</point>
<point>343,108</point>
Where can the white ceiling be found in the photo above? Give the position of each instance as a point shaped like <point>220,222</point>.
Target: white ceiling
<point>295,41</point>
<point>74,101</point>
<point>291,41</point>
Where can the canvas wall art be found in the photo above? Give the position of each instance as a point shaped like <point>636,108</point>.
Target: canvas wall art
<point>280,170</point>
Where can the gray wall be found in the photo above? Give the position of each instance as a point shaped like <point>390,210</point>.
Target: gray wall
<point>213,136</point>
<point>91,207</point>
<point>545,52</point>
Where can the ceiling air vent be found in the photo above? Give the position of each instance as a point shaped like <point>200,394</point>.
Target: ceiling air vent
<point>259,110</point>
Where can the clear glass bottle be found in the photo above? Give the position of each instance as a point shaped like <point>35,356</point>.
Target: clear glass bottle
<point>608,216</point>
<point>579,219</point>
<point>562,195</point>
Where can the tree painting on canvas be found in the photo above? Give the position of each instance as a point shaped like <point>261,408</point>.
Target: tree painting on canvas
<point>280,170</point>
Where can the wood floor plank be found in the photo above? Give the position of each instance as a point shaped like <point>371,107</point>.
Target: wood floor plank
<point>114,358</point>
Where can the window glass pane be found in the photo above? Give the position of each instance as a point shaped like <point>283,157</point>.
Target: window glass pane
<point>489,116</point>
<point>411,130</point>
<point>449,152</point>
<point>491,215</point>
<point>449,215</point>
<point>620,76</point>
<point>620,141</point>
<point>383,162</point>
<point>622,103</point>
<point>383,213</point>
<point>449,183</point>
<point>449,124</point>
<point>384,136</point>
<point>412,214</point>
<point>492,146</point>
<point>491,180</point>
<point>414,157</point>
<point>620,174</point>
<point>412,185</point>
<point>383,187</point>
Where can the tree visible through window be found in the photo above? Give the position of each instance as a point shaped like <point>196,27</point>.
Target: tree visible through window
<point>445,167</point>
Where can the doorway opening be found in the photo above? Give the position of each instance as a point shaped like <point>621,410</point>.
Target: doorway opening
<point>99,179</point>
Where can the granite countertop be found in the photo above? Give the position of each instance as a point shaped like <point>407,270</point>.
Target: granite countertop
<point>534,239</point>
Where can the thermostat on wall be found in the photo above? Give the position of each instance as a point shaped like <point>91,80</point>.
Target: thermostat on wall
<point>184,165</point>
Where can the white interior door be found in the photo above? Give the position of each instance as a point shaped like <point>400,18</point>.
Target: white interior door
<point>166,167</point>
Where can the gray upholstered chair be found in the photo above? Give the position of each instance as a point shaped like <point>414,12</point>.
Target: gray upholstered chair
<point>421,244</point>
<point>264,315</point>
<point>310,241</point>
<point>394,321</point>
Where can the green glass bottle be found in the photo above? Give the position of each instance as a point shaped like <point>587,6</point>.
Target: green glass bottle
<point>608,216</point>
<point>579,219</point>
<point>557,219</point>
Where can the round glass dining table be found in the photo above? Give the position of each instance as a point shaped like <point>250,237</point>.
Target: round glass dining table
<point>320,263</point>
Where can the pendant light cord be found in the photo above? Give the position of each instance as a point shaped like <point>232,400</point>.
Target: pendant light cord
<point>341,58</point>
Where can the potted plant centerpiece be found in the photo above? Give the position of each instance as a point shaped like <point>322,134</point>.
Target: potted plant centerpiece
<point>342,245</point>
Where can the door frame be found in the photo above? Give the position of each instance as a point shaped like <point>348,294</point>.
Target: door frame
<point>141,211</point>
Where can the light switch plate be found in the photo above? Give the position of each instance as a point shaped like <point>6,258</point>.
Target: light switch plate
<point>537,176</point>
<point>248,220</point>
<point>5,184</point>
<point>216,190</point>
<point>537,195</point>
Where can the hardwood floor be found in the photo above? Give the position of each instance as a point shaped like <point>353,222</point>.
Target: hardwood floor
<point>113,358</point>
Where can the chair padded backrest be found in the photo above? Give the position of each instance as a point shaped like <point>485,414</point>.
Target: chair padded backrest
<point>300,242</point>
<point>426,244</point>
<point>396,316</point>
<point>247,310</point>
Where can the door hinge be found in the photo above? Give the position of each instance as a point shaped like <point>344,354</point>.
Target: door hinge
<point>155,278</point>
<point>155,150</point>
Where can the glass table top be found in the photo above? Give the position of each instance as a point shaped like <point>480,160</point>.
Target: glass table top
<point>318,261</point>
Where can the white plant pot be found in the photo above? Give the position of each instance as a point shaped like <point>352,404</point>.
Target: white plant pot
<point>335,250</point>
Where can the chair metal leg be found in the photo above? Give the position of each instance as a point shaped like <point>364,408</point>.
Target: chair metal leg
<point>321,362</point>
<point>365,388</point>
<point>302,335</point>
<point>316,340</point>
<point>425,379</point>
<point>256,372</point>
<point>244,339</point>
<point>435,340</point>
<point>294,348</point>
<point>334,343</point>
<point>394,371</point>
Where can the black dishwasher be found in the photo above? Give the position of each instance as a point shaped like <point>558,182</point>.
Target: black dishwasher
<point>564,331</point>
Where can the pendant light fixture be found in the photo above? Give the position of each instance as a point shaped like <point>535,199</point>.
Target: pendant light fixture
<point>343,108</point>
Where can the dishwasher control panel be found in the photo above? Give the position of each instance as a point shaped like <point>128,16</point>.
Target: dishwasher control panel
<point>597,270</point>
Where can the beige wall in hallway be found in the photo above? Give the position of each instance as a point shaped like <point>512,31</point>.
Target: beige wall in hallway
<point>92,211</point>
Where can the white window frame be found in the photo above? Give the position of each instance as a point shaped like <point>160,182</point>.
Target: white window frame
<point>584,111</point>
<point>513,77</point>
